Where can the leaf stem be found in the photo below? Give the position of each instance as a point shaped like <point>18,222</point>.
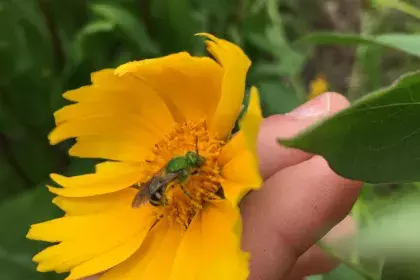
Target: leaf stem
<point>346,262</point>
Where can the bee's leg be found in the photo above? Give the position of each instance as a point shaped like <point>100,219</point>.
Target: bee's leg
<point>136,186</point>
<point>184,176</point>
<point>164,200</point>
<point>185,190</point>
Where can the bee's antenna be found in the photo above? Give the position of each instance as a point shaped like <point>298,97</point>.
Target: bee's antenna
<point>196,145</point>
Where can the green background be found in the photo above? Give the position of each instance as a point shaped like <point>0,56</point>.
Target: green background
<point>48,47</point>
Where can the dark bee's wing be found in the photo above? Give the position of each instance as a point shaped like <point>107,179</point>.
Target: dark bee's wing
<point>166,179</point>
<point>142,195</point>
<point>145,190</point>
<point>170,177</point>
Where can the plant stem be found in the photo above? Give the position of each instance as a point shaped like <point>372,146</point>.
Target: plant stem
<point>401,6</point>
<point>298,87</point>
<point>284,47</point>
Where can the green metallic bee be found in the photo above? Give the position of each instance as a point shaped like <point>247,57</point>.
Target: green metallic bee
<point>178,168</point>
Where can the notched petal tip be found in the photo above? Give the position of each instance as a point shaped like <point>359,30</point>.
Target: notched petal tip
<point>207,35</point>
<point>225,51</point>
<point>54,190</point>
<point>42,267</point>
<point>57,177</point>
<point>38,232</point>
<point>137,66</point>
<point>31,236</point>
<point>52,137</point>
<point>127,68</point>
<point>235,64</point>
<point>57,201</point>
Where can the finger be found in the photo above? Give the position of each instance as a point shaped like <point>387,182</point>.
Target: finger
<point>274,157</point>
<point>295,207</point>
<point>319,200</point>
<point>315,261</point>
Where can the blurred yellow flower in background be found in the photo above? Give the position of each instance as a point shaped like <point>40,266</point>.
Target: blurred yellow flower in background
<point>138,117</point>
<point>317,86</point>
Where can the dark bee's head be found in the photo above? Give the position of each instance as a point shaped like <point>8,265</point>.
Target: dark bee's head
<point>194,159</point>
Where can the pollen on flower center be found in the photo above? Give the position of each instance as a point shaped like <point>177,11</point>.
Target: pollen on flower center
<point>202,183</point>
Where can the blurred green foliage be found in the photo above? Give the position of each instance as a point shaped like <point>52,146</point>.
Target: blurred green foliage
<point>48,47</point>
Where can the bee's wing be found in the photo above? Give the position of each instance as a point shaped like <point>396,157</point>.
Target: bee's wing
<point>142,195</point>
<point>164,181</point>
<point>169,177</point>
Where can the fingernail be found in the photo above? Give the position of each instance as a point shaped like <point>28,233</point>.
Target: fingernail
<point>316,107</point>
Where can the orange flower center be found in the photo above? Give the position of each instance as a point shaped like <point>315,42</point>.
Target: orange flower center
<point>185,199</point>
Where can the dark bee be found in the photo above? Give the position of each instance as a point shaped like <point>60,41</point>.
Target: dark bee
<point>178,168</point>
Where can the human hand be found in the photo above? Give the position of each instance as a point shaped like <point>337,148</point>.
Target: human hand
<point>300,201</point>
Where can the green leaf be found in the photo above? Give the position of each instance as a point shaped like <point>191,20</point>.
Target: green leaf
<point>16,216</point>
<point>29,10</point>
<point>315,277</point>
<point>25,150</point>
<point>276,98</point>
<point>393,236</point>
<point>179,16</point>
<point>376,139</point>
<point>342,273</point>
<point>132,28</point>
<point>95,27</point>
<point>89,30</point>
<point>173,23</point>
<point>400,6</point>
<point>408,43</point>
<point>11,181</point>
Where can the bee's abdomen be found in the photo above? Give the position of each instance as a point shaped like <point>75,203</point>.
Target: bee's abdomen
<point>156,199</point>
<point>156,196</point>
<point>155,202</point>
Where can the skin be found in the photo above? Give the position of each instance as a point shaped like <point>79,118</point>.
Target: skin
<point>302,200</point>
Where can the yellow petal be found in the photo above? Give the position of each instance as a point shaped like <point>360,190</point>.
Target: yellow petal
<point>75,227</point>
<point>242,169</point>
<point>234,192</point>
<point>95,204</point>
<point>126,126</point>
<point>189,85</point>
<point>108,104</point>
<point>116,118</point>
<point>109,177</point>
<point>251,121</point>
<point>235,67</point>
<point>210,249</point>
<point>236,145</point>
<point>112,147</point>
<point>117,95</point>
<point>154,258</point>
<point>84,238</point>
<point>110,258</point>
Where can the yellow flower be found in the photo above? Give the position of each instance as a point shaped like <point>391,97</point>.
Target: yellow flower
<point>317,86</point>
<point>138,117</point>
